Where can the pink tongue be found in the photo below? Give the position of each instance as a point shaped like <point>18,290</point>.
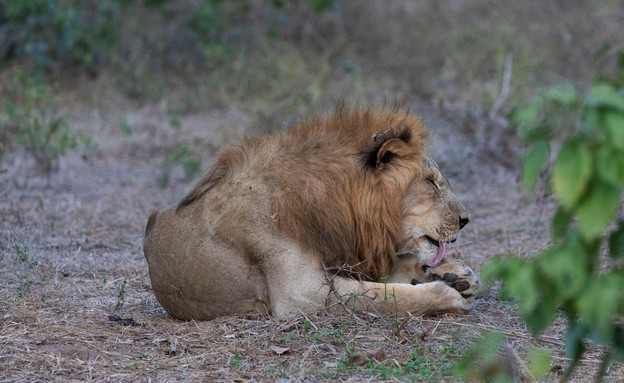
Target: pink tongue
<point>439,256</point>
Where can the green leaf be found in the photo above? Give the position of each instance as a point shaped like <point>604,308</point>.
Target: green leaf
<point>564,95</point>
<point>591,118</point>
<point>535,133</point>
<point>616,242</point>
<point>543,314</point>
<point>480,362</point>
<point>598,208</point>
<point>534,163</point>
<point>493,269</point>
<point>560,222</point>
<point>539,362</point>
<point>618,342</point>
<point>571,173</point>
<point>598,304</point>
<point>524,285</point>
<point>523,281</point>
<point>614,125</point>
<point>527,117</point>
<point>603,95</point>
<point>610,165</point>
<point>574,345</point>
<point>566,267</point>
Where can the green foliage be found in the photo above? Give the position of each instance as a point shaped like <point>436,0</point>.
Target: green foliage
<point>480,363</point>
<point>488,361</point>
<point>587,181</point>
<point>539,362</point>
<point>318,6</point>
<point>208,21</point>
<point>236,362</point>
<point>52,33</point>
<point>286,338</point>
<point>420,366</point>
<point>89,34</point>
<point>307,325</point>
<point>126,128</point>
<point>183,157</point>
<point>140,356</point>
<point>29,268</point>
<point>534,161</point>
<point>32,120</point>
<point>23,254</point>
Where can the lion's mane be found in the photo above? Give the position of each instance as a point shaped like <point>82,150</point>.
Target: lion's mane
<point>337,183</point>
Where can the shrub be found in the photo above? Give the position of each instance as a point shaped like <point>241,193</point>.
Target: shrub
<point>32,120</point>
<point>54,33</point>
<point>587,229</point>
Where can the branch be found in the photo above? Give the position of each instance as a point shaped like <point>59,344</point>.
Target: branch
<point>504,92</point>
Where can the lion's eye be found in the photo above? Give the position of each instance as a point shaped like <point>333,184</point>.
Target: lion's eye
<point>432,182</point>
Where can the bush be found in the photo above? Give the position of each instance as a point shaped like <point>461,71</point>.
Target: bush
<point>32,120</point>
<point>87,34</point>
<point>587,181</point>
<point>56,33</point>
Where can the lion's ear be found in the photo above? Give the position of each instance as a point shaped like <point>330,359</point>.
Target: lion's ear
<point>386,146</point>
<point>390,149</point>
<point>207,182</point>
<point>379,154</point>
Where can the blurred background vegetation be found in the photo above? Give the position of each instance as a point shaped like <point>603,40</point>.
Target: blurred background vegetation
<point>292,55</point>
<point>504,69</point>
<point>279,60</point>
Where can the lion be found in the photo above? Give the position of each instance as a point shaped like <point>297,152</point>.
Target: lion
<point>345,211</point>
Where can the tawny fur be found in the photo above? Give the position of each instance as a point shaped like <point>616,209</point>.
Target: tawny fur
<point>354,188</point>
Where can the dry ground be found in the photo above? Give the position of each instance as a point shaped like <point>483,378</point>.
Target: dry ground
<point>75,296</point>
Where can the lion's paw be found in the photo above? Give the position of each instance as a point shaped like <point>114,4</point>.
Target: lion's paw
<point>457,275</point>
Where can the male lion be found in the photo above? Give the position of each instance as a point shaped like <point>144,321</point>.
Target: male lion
<point>346,207</point>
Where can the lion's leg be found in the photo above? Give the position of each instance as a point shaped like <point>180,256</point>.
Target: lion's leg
<point>390,298</point>
<point>301,285</point>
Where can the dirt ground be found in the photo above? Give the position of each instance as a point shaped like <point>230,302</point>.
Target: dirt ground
<point>75,296</point>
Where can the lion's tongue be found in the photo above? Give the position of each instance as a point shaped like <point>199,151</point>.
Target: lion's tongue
<point>439,256</point>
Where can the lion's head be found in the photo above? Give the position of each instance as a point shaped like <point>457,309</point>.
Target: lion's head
<point>432,216</point>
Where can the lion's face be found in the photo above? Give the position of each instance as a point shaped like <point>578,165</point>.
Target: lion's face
<point>432,216</point>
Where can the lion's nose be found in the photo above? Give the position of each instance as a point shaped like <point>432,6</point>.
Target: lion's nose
<point>463,221</point>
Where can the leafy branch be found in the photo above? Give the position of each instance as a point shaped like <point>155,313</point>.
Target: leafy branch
<point>586,178</point>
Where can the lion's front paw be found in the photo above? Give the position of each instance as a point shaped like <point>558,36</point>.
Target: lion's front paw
<point>457,275</point>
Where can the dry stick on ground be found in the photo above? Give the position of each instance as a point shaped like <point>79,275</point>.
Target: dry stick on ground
<point>308,319</point>
<point>340,299</point>
<point>332,291</point>
<point>491,328</point>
